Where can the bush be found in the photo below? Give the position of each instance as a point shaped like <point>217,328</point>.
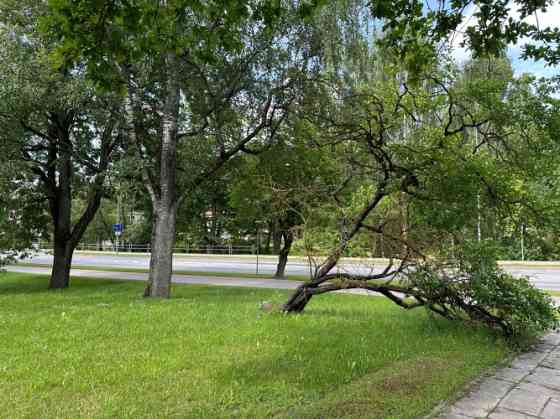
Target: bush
<point>473,287</point>
<point>6,257</point>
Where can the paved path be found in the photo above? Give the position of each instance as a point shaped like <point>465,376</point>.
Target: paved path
<point>528,388</point>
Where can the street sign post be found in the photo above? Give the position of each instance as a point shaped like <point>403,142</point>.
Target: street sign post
<point>118,230</point>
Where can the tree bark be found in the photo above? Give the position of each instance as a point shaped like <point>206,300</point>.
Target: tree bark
<point>60,199</point>
<point>288,237</point>
<point>163,191</point>
<point>298,300</point>
<point>303,294</point>
<point>161,258</point>
<point>57,181</point>
<point>276,241</point>
<point>60,274</point>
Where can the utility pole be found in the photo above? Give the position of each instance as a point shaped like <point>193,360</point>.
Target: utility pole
<point>523,241</point>
<point>258,245</point>
<point>258,223</point>
<point>117,228</point>
<point>479,217</point>
<point>118,216</point>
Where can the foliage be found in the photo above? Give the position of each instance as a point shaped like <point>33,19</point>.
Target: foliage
<point>315,240</point>
<point>6,257</point>
<point>111,35</point>
<point>20,221</point>
<point>283,185</point>
<point>204,82</point>
<point>429,156</point>
<point>473,286</point>
<point>498,179</point>
<point>417,31</point>
<point>56,128</point>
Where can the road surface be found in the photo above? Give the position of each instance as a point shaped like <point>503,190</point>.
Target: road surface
<point>543,276</point>
<point>194,263</point>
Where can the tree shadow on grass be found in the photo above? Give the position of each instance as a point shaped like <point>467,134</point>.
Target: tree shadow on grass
<point>329,384</point>
<point>224,294</point>
<point>21,284</point>
<point>349,364</point>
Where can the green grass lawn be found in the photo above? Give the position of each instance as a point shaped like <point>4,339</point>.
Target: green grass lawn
<point>100,350</point>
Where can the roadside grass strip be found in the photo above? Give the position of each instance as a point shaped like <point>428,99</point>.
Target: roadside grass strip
<point>176,271</point>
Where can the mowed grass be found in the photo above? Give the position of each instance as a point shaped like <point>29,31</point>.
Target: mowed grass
<point>100,350</point>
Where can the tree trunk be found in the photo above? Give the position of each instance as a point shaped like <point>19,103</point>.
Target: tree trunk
<point>67,236</point>
<point>298,300</point>
<point>161,258</point>
<point>276,241</point>
<point>163,191</point>
<point>60,274</point>
<point>302,295</point>
<point>283,255</point>
<point>60,202</point>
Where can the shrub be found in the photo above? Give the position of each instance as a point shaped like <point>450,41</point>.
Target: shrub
<point>473,287</point>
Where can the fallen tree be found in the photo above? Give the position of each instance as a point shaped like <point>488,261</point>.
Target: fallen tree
<point>435,149</point>
<point>470,288</point>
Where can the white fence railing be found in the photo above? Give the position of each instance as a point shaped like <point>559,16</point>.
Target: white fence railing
<point>145,248</point>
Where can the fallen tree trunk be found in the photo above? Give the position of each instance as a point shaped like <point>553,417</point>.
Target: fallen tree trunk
<point>511,305</point>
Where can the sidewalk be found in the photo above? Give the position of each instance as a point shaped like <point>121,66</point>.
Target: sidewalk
<point>528,388</point>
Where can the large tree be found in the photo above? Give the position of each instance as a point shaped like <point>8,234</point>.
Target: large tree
<point>203,81</point>
<point>59,130</point>
<point>408,138</point>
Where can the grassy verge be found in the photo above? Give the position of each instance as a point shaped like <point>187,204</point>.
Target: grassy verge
<point>100,350</point>
<point>178,272</point>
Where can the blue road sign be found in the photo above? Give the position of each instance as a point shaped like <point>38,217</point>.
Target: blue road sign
<point>118,228</point>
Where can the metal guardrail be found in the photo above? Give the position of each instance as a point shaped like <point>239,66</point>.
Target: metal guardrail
<point>146,248</point>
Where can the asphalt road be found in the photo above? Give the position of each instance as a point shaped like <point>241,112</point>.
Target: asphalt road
<point>267,265</point>
<point>546,277</point>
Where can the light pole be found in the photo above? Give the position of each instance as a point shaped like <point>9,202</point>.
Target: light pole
<point>258,223</point>
<point>118,227</point>
<point>209,215</point>
<point>523,241</point>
